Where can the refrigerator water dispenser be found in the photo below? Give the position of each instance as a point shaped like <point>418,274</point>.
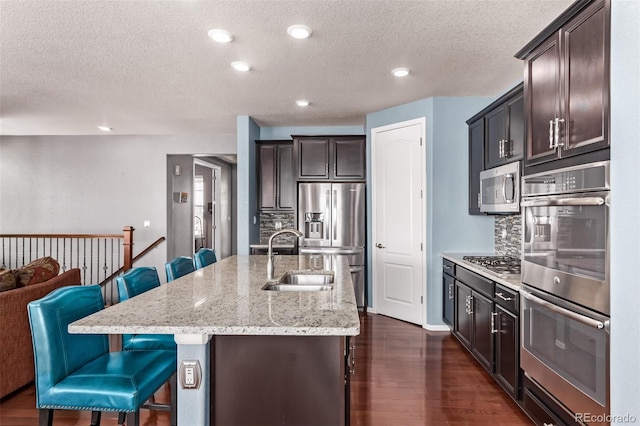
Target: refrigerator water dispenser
<point>313,225</point>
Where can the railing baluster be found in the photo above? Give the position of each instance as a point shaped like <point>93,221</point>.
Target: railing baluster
<point>100,261</point>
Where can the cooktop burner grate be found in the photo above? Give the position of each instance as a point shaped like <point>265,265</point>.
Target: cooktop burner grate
<point>499,264</point>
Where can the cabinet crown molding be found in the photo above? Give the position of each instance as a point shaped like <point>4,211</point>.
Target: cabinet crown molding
<point>554,26</point>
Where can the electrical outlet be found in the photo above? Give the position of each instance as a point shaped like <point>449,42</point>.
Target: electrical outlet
<point>190,374</point>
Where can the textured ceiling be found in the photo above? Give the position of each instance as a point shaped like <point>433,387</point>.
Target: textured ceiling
<point>148,67</point>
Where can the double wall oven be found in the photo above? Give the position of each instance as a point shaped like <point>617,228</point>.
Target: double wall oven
<point>565,295</point>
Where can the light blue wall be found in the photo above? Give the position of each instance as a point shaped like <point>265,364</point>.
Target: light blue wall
<point>269,133</point>
<point>248,227</point>
<point>449,227</point>
<point>625,208</point>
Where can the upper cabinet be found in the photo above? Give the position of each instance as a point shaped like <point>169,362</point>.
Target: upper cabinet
<point>476,163</point>
<point>276,183</point>
<point>496,137</point>
<point>505,132</point>
<point>567,89</point>
<point>334,158</point>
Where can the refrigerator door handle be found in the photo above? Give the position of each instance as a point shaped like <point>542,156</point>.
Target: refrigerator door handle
<point>326,219</point>
<point>334,215</point>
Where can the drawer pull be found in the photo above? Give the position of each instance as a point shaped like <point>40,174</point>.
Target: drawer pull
<point>506,299</point>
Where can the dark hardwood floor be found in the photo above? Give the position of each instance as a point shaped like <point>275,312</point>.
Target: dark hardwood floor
<point>404,376</point>
<point>408,376</point>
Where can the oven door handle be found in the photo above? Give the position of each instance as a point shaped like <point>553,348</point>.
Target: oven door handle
<point>562,311</point>
<point>576,201</point>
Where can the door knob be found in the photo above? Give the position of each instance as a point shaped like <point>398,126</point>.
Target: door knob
<point>380,245</point>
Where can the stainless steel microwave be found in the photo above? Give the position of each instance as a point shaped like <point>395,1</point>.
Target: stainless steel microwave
<point>500,189</point>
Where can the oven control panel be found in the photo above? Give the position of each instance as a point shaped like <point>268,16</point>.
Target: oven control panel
<point>586,177</point>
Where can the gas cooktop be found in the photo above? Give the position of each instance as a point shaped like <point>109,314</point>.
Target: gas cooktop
<point>498,264</point>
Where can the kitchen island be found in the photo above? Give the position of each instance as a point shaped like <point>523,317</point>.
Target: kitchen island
<point>287,343</point>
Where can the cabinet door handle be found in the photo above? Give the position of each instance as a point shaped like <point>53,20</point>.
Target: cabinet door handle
<point>352,366</point>
<point>551,146</point>
<point>450,291</point>
<point>446,267</point>
<point>556,135</point>
<point>506,144</point>
<point>380,246</point>
<point>506,299</point>
<point>500,148</point>
<point>470,305</point>
<point>493,323</point>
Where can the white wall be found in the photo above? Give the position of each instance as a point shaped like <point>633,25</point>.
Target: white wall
<point>94,184</point>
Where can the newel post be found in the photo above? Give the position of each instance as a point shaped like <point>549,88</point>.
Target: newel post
<point>128,247</point>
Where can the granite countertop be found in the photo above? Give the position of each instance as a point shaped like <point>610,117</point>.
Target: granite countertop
<point>514,282</point>
<point>226,299</point>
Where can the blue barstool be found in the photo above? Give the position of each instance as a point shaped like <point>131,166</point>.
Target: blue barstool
<point>134,282</point>
<point>204,257</point>
<point>176,268</point>
<point>77,371</point>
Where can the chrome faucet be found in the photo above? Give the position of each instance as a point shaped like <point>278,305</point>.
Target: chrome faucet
<point>270,266</point>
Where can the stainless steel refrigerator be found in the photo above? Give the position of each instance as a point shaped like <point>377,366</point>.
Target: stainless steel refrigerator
<point>331,217</point>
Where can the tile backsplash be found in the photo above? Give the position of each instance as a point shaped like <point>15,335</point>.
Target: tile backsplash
<point>274,221</point>
<point>508,235</point>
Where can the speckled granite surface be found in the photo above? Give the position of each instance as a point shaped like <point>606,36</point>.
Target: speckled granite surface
<point>514,282</point>
<point>226,299</point>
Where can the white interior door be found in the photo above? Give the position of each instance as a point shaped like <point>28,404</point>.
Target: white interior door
<point>398,221</point>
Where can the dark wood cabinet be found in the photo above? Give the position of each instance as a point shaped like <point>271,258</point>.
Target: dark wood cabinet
<point>463,325</point>
<point>496,137</point>
<point>482,347</point>
<point>273,380</point>
<point>473,323</point>
<point>486,321</point>
<point>349,158</point>
<point>448,291</point>
<point>476,164</point>
<point>505,132</point>
<point>333,158</point>
<point>567,90</point>
<point>276,183</point>
<point>507,346</point>
<point>313,158</point>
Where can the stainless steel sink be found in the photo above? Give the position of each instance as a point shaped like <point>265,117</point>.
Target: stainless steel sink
<point>296,287</point>
<point>301,281</point>
<point>305,278</point>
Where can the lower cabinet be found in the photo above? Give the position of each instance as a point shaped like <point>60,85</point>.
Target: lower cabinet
<point>463,325</point>
<point>448,290</point>
<point>280,380</point>
<point>473,323</point>
<point>507,348</point>
<point>482,338</point>
<point>486,322</point>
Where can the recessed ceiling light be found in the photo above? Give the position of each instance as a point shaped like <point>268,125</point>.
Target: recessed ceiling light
<point>220,35</point>
<point>299,31</point>
<point>240,66</point>
<point>400,72</point>
<point>302,102</point>
<point>105,128</point>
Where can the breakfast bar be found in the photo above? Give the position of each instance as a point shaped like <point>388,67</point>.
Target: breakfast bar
<point>236,330</point>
